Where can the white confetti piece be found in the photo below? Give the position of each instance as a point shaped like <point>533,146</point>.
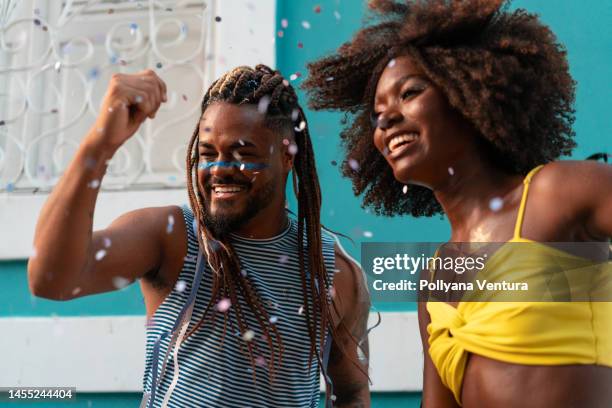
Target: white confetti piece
<point>368,234</point>
<point>284,23</point>
<point>306,25</point>
<point>100,254</point>
<point>138,99</point>
<point>248,335</point>
<point>76,291</point>
<point>301,310</point>
<point>295,114</point>
<point>405,189</point>
<point>262,106</point>
<point>496,204</point>
<point>180,286</point>
<point>301,126</point>
<point>337,15</point>
<point>451,171</point>
<point>170,225</point>
<point>58,66</point>
<point>283,259</point>
<point>107,242</point>
<point>94,184</point>
<point>224,305</point>
<point>353,164</point>
<point>120,282</point>
<point>391,63</point>
<point>293,149</point>
<point>329,79</point>
<point>293,77</point>
<point>243,272</point>
<point>273,319</point>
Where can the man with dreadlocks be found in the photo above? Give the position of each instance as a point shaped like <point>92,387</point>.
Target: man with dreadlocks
<point>462,107</point>
<point>269,313</point>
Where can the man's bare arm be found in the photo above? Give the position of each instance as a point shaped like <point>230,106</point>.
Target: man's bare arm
<point>70,259</point>
<point>348,362</point>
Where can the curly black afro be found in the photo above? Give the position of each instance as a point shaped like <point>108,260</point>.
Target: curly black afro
<point>503,71</point>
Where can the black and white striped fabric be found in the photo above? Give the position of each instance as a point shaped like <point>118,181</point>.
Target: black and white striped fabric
<point>213,370</point>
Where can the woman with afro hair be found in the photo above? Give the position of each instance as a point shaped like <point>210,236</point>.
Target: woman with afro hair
<point>463,108</point>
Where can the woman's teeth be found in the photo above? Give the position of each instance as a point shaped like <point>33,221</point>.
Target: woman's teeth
<point>401,139</point>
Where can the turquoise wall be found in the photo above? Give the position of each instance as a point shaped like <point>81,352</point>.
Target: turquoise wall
<point>584,30</point>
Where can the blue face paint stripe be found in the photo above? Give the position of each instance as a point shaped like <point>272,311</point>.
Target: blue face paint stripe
<point>238,165</point>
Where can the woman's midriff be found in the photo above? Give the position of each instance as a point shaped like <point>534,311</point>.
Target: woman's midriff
<point>492,383</point>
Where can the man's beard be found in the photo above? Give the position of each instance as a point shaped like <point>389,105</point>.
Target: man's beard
<point>222,224</point>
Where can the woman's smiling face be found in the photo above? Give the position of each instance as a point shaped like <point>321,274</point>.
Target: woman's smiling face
<point>416,129</point>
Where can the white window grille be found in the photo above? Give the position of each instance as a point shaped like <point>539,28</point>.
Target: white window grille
<point>56,58</point>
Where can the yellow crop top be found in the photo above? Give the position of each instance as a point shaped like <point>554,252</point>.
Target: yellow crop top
<point>530,333</point>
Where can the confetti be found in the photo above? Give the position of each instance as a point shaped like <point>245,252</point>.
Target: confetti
<point>285,82</point>
<point>337,15</point>
<point>93,73</point>
<point>353,164</point>
<point>329,79</point>
<point>224,305</point>
<point>283,259</point>
<point>405,189</point>
<point>133,28</point>
<point>120,282</point>
<point>293,149</point>
<point>368,234</point>
<point>262,105</point>
<point>332,397</point>
<point>286,142</point>
<point>293,77</point>
<point>284,23</point>
<point>76,291</point>
<point>218,19</point>
<point>334,163</point>
<point>451,171</point>
<point>301,126</point>
<point>260,361</point>
<point>273,319</point>
<point>159,65</point>
<point>301,310</point>
<point>180,286</point>
<point>100,254</point>
<point>94,184</point>
<point>138,99</point>
<point>294,114</point>
<point>57,66</point>
<point>107,242</point>
<point>496,204</point>
<point>36,21</point>
<point>170,225</point>
<point>332,292</point>
<point>248,335</point>
<point>306,25</point>
<point>391,63</point>
<point>317,9</point>
<point>280,34</point>
<point>300,45</point>
<point>243,272</point>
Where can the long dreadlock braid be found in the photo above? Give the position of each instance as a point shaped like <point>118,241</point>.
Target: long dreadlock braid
<point>245,85</point>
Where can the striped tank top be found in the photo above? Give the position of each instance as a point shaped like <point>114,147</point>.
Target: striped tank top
<point>213,373</point>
